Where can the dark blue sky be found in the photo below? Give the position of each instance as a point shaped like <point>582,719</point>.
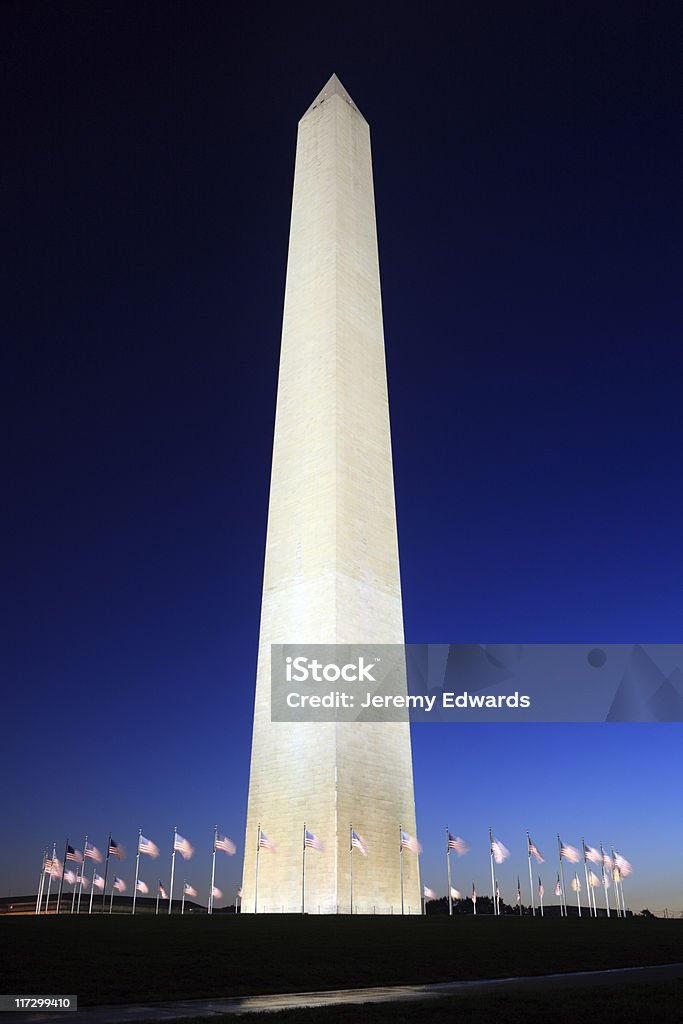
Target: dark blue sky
<point>528,198</point>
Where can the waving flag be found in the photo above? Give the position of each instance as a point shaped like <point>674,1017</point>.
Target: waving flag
<point>183,846</point>
<point>474,894</point>
<point>226,845</point>
<point>357,843</point>
<point>119,885</point>
<point>93,853</point>
<point>625,867</point>
<point>239,892</point>
<point>47,866</point>
<point>541,890</point>
<point>428,894</point>
<point>216,893</point>
<point>311,841</point>
<point>70,877</point>
<point>142,887</point>
<point>593,855</point>
<point>576,884</point>
<point>558,887</point>
<point>409,842</point>
<point>98,881</point>
<point>616,875</point>
<point>533,849</point>
<point>607,861</point>
<point>75,855</point>
<point>455,895</point>
<point>55,867</point>
<point>569,853</point>
<point>147,846</point>
<point>82,880</point>
<point>115,850</point>
<point>500,852</point>
<point>497,892</point>
<point>189,890</point>
<point>593,879</point>
<point>519,891</point>
<point>264,842</point>
<point>458,844</point>
<point>162,892</point>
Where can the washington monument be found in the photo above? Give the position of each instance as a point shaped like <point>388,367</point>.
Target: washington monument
<point>331,565</point>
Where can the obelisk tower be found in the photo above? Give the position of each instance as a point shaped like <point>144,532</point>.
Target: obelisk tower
<point>331,565</point>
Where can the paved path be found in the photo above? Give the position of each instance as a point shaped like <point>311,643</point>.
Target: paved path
<point>296,1000</point>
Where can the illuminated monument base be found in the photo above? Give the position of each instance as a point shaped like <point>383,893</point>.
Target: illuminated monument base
<point>331,565</point>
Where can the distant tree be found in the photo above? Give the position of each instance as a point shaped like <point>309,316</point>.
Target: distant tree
<point>646,913</point>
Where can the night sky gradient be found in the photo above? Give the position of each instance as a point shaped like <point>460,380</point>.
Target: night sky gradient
<point>527,176</point>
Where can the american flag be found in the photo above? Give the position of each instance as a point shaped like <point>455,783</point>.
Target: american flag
<point>519,891</point>
<point>55,867</point>
<point>119,885</point>
<point>75,855</point>
<point>458,844</point>
<point>576,884</point>
<point>569,853</point>
<point>216,893</point>
<point>264,842</point>
<point>624,866</point>
<point>142,887</point>
<point>98,881</point>
<point>239,892</point>
<point>541,890</point>
<point>70,877</point>
<point>409,842</point>
<point>533,849</point>
<point>500,852</point>
<point>593,855</point>
<point>358,843</point>
<point>311,841</point>
<point>162,892</point>
<point>607,861</point>
<point>47,866</point>
<point>558,887</point>
<point>183,846</point>
<point>226,845</point>
<point>593,879</point>
<point>148,847</point>
<point>474,894</point>
<point>93,853</point>
<point>115,849</point>
<point>497,891</point>
<point>189,890</point>
<point>82,880</point>
<point>455,895</point>
<point>428,894</point>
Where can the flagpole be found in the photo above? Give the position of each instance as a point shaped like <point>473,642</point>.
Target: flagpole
<point>158,895</point>
<point>448,866</point>
<point>213,868</point>
<point>604,879</point>
<point>400,858</point>
<point>106,869</point>
<point>80,886</point>
<point>61,880</point>
<point>585,869</point>
<point>493,874</point>
<point>531,883</point>
<point>182,902</point>
<point>137,868</point>
<point>49,878</point>
<point>474,901</point>
<point>170,894</point>
<point>351,868</point>
<point>258,850</point>
<point>111,898</point>
<point>73,892</point>
<point>41,881</point>
<point>563,888</point>
<point>303,873</point>
<point>578,891</point>
<point>92,886</point>
<point>616,885</point>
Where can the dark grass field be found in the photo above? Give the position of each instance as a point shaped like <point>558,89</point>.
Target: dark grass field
<point>146,959</point>
<point>633,1004</point>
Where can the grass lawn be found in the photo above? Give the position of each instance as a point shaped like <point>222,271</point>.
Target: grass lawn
<point>659,1003</point>
<point>123,959</point>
